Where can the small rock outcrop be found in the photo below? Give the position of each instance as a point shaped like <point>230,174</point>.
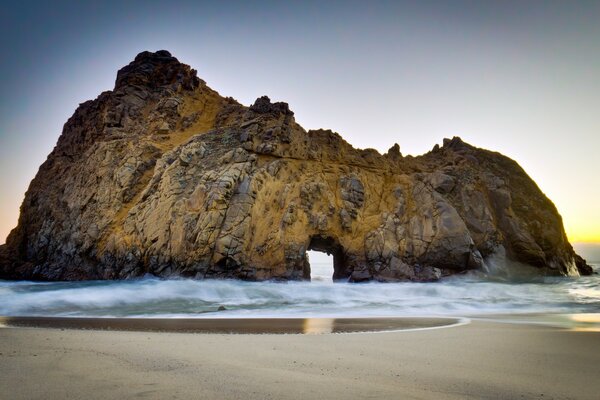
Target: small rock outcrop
<point>163,176</point>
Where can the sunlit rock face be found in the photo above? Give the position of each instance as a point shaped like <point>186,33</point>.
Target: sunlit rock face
<point>163,176</point>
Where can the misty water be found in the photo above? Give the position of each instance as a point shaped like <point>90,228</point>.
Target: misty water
<point>465,295</point>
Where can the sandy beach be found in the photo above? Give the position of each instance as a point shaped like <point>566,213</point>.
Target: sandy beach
<point>482,359</point>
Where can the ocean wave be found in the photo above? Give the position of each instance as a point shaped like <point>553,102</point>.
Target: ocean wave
<point>152,297</point>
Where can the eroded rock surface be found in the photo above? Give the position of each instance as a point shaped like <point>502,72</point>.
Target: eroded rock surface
<point>163,176</point>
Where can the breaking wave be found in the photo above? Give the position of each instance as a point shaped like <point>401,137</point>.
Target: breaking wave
<point>152,297</point>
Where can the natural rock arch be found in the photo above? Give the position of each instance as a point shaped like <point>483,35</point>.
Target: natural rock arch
<point>164,176</point>
<point>331,246</point>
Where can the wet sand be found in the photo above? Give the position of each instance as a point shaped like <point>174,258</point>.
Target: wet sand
<point>483,359</point>
<point>233,325</point>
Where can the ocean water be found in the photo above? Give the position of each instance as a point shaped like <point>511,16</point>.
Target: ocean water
<point>465,295</point>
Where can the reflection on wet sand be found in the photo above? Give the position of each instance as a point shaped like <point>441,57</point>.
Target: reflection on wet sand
<point>314,326</point>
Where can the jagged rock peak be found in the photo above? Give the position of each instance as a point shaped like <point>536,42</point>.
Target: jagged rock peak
<point>455,143</point>
<point>263,105</point>
<point>155,70</point>
<point>394,152</point>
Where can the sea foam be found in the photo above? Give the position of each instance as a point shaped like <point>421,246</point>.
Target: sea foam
<point>474,294</point>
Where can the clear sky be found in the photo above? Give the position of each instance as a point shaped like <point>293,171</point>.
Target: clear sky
<point>522,77</point>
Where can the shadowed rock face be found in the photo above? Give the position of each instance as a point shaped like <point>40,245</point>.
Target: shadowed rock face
<point>164,176</point>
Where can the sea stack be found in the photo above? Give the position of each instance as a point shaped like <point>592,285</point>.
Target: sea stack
<point>164,176</point>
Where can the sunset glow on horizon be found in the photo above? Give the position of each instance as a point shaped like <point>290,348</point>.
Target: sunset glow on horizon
<point>589,235</point>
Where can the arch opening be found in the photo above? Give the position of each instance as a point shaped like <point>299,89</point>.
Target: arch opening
<point>332,247</point>
<point>321,266</point>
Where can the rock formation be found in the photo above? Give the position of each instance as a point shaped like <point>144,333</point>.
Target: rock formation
<point>163,176</point>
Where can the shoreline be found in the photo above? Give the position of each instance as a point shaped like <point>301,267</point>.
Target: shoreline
<point>589,322</point>
<point>235,325</point>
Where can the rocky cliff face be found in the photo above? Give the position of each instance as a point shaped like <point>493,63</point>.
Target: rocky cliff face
<point>164,176</point>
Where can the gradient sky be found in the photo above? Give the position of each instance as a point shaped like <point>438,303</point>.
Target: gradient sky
<point>522,78</point>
